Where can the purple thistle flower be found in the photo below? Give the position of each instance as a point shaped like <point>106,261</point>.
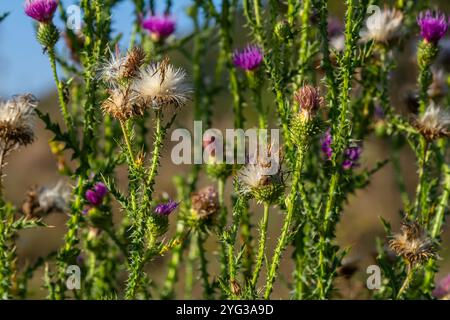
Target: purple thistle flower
<point>433,25</point>
<point>352,155</point>
<point>159,26</point>
<point>164,209</point>
<point>95,195</point>
<point>41,10</point>
<point>248,59</point>
<point>326,145</point>
<point>443,288</point>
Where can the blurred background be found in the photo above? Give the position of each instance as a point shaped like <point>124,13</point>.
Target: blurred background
<point>24,68</point>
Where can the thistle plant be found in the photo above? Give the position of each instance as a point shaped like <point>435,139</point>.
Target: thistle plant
<point>293,71</point>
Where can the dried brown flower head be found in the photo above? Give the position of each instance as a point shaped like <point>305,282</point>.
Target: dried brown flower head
<point>433,123</point>
<point>132,63</point>
<point>17,121</point>
<point>412,244</point>
<point>121,104</point>
<point>205,203</point>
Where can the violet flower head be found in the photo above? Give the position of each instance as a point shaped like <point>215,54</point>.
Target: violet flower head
<point>95,195</point>
<point>443,288</point>
<point>326,145</point>
<point>41,10</point>
<point>433,25</point>
<point>164,209</point>
<point>159,26</point>
<point>352,155</point>
<point>248,59</point>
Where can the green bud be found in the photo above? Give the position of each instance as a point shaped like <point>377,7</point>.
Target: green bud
<point>47,35</point>
<point>283,30</point>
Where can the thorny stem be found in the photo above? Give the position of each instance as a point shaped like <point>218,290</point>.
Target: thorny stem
<point>406,282</point>
<point>222,225</point>
<point>127,142</point>
<point>262,246</point>
<point>60,88</point>
<point>283,239</point>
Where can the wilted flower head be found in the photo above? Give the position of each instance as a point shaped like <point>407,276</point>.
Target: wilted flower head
<point>161,85</point>
<point>262,177</point>
<point>118,67</point>
<point>383,27</point>
<point>309,101</point>
<point>205,203</point>
<point>164,209</point>
<point>248,59</point>
<point>17,120</point>
<point>56,198</point>
<point>96,195</point>
<point>122,104</point>
<point>433,123</point>
<point>41,10</point>
<point>351,157</point>
<point>442,290</point>
<point>326,142</point>
<point>412,244</point>
<point>433,25</point>
<point>160,27</point>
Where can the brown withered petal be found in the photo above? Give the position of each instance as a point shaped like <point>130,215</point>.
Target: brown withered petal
<point>412,244</point>
<point>133,62</point>
<point>309,98</point>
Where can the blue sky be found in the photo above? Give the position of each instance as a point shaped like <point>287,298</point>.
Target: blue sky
<point>23,66</point>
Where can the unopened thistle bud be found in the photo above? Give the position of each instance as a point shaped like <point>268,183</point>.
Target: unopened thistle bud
<point>160,219</point>
<point>304,122</point>
<point>47,35</point>
<point>283,30</point>
<point>433,124</point>
<point>412,244</point>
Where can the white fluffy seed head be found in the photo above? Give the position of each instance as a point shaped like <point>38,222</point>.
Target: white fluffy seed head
<point>433,124</point>
<point>160,84</point>
<point>55,198</point>
<point>17,118</point>
<point>383,27</point>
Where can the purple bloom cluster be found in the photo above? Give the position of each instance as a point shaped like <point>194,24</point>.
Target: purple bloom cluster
<point>248,59</point>
<point>41,10</point>
<point>159,26</point>
<point>95,195</point>
<point>164,209</point>
<point>326,145</point>
<point>433,25</point>
<point>351,155</point>
<point>443,288</point>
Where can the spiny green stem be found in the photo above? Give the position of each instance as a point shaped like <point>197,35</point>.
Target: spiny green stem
<point>262,246</point>
<point>283,239</point>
